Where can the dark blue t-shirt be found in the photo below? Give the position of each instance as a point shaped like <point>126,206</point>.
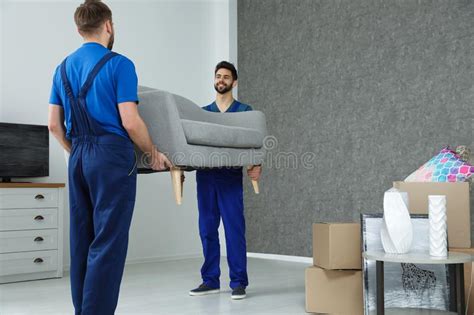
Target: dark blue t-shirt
<point>224,173</point>
<point>116,83</point>
<point>236,106</point>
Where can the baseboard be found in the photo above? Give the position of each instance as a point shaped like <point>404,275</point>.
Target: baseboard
<point>299,259</point>
<point>145,260</point>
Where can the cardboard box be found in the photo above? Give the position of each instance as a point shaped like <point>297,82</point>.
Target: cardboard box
<point>457,203</point>
<point>337,246</point>
<point>468,279</point>
<point>334,291</point>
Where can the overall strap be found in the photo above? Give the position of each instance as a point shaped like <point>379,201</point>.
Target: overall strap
<point>77,116</point>
<point>66,83</point>
<point>90,78</point>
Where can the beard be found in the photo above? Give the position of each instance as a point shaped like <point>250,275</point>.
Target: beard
<point>223,88</point>
<point>110,45</point>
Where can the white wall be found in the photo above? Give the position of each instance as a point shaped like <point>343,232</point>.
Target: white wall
<point>233,39</point>
<point>175,46</point>
<point>1,60</point>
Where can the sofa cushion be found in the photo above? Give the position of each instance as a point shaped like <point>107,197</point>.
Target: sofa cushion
<point>216,135</point>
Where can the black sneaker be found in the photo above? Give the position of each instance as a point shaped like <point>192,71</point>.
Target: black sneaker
<point>238,293</point>
<point>203,290</point>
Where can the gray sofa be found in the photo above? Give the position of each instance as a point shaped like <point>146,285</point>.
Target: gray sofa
<point>193,138</point>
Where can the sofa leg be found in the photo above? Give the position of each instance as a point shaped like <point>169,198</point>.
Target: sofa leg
<point>254,183</point>
<point>176,174</point>
<point>255,186</point>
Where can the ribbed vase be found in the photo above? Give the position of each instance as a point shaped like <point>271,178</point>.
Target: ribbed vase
<point>438,226</point>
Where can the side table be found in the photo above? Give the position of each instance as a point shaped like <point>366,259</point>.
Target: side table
<point>454,260</point>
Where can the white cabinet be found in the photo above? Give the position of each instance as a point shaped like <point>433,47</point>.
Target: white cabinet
<point>29,263</point>
<point>28,219</point>
<point>31,231</point>
<point>29,240</point>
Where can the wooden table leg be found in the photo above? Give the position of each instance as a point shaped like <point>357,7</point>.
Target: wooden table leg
<point>380,287</point>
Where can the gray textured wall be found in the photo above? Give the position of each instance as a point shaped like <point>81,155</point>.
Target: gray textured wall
<point>373,88</point>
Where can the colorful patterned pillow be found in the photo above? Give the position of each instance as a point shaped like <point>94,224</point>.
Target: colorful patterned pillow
<point>446,166</point>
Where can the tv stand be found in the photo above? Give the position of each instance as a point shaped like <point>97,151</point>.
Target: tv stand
<point>31,231</point>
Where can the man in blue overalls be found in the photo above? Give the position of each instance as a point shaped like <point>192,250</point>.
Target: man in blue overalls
<point>220,194</point>
<point>94,94</point>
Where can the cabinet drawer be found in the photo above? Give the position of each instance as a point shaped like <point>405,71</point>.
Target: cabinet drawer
<point>28,219</point>
<point>25,241</point>
<point>28,262</point>
<point>14,198</point>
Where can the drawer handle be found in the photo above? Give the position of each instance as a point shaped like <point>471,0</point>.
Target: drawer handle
<point>39,197</point>
<point>39,239</point>
<point>39,218</point>
<point>38,261</point>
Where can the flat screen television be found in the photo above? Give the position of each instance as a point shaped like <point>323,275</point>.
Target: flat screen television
<point>24,151</point>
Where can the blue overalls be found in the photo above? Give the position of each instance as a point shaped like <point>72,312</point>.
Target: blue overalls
<point>102,187</point>
<point>220,194</point>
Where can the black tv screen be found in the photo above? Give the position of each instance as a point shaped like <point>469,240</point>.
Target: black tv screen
<point>24,151</point>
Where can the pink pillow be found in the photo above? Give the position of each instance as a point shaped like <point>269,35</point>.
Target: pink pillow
<point>446,166</point>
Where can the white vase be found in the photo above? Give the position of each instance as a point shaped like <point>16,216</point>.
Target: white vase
<point>438,225</point>
<point>397,232</point>
<point>386,240</point>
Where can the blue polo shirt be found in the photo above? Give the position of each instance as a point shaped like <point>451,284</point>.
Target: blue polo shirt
<point>116,83</point>
<point>228,173</point>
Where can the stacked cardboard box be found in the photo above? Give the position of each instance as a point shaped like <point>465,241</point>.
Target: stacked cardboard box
<point>334,283</point>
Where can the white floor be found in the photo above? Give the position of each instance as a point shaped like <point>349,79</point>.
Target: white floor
<point>276,287</point>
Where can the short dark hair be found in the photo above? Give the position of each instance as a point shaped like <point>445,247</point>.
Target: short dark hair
<point>90,15</point>
<point>227,65</point>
